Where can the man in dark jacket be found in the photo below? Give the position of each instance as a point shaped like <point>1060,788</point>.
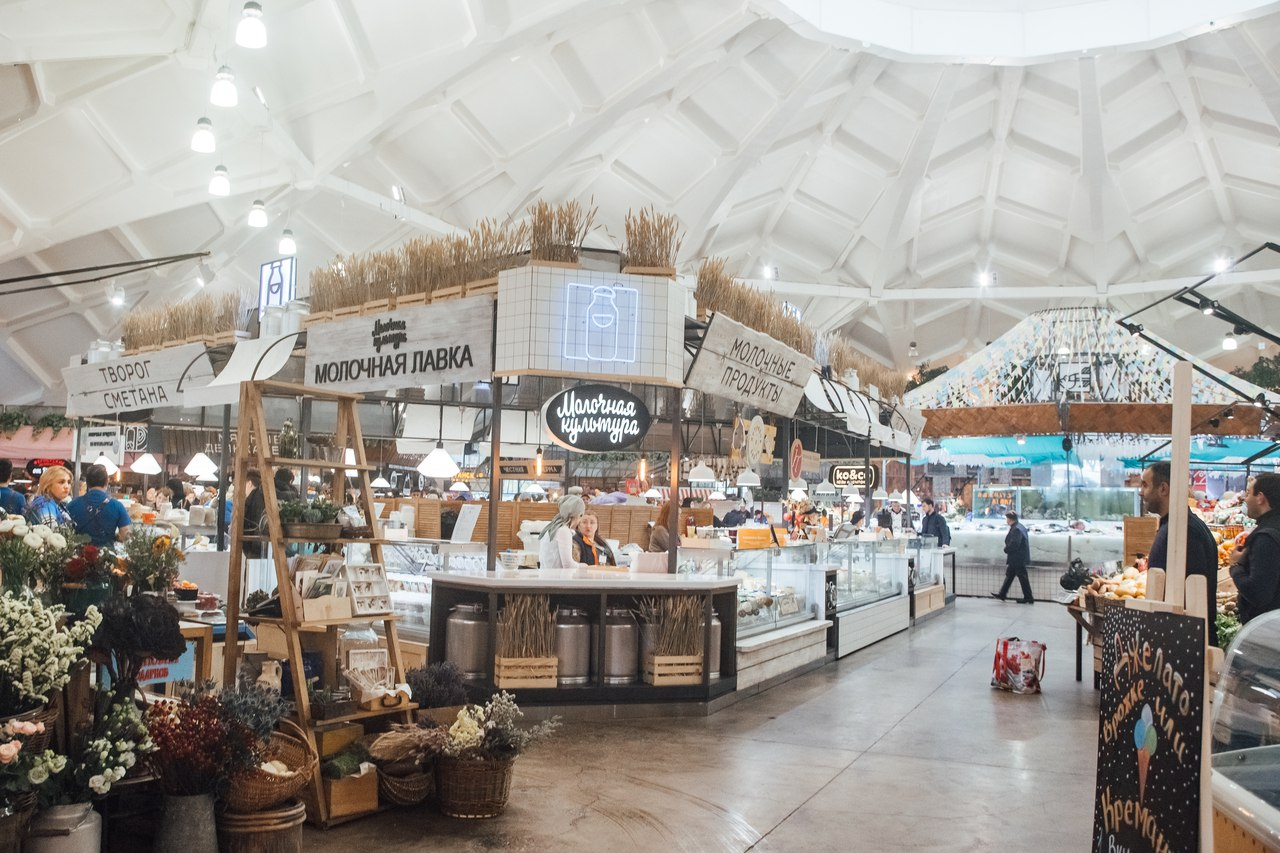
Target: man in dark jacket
<point>1017,549</point>
<point>1202,551</point>
<point>1255,566</point>
<point>933,524</point>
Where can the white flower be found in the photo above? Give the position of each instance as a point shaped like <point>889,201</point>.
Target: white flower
<point>57,540</point>
<point>99,784</point>
<point>42,530</point>
<point>20,529</point>
<point>31,540</point>
<point>7,525</point>
<point>127,760</point>
<point>38,775</point>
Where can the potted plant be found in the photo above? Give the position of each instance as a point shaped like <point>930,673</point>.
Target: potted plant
<point>288,761</point>
<point>330,703</point>
<point>315,520</point>
<point>152,561</point>
<point>473,774</point>
<point>439,689</point>
<point>23,768</point>
<point>81,575</point>
<point>37,650</point>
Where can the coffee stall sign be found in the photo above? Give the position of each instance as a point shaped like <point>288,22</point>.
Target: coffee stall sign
<point>742,364</point>
<point>858,476</point>
<point>144,381</point>
<point>449,341</point>
<point>596,418</point>
<point>1149,733</point>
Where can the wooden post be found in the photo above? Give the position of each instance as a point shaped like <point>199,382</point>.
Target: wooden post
<point>673,516</point>
<point>495,474</point>
<point>1179,463</point>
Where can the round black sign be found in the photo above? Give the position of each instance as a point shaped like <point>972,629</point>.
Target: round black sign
<point>596,418</point>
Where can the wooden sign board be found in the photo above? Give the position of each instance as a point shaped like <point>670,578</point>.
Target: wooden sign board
<point>1139,534</point>
<point>742,364</point>
<point>449,341</point>
<point>1150,733</point>
<point>145,381</point>
<point>527,469</point>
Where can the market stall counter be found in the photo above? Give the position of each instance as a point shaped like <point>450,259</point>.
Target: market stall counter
<point>496,626</point>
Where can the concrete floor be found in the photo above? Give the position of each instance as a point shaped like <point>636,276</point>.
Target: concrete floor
<point>901,746</point>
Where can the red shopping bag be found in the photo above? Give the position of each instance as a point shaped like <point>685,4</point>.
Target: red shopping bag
<point>1019,665</point>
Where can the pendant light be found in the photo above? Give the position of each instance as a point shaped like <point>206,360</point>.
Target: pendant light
<point>258,214</point>
<point>112,468</point>
<point>537,462</point>
<point>701,473</point>
<point>716,496</point>
<point>223,93</point>
<point>798,494</point>
<point>459,486</point>
<point>1229,342</point>
<point>220,183</point>
<point>145,464</point>
<point>880,494</point>
<point>200,464</point>
<point>287,244</point>
<point>202,141</point>
<point>439,463</point>
<point>652,494</point>
<point>748,478</point>
<point>535,489</point>
<point>251,32</point>
<point>824,488</point>
<point>379,482</point>
<point>797,484</point>
<point>642,471</point>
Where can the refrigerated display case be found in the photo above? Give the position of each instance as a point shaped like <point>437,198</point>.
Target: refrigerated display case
<point>777,587</point>
<point>866,590</point>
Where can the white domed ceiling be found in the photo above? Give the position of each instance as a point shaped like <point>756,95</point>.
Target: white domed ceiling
<point>877,188</point>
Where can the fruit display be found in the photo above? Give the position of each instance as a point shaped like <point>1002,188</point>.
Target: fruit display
<point>1227,544</point>
<point>1129,583</point>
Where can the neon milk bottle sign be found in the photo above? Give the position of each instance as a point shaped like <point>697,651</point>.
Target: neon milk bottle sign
<point>601,323</point>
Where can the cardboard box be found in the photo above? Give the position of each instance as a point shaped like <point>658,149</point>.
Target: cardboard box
<point>334,739</point>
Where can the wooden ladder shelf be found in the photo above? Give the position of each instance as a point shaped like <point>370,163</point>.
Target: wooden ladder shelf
<point>254,450</point>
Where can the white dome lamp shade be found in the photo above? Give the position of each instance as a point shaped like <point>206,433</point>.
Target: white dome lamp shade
<point>220,183</point>
<point>145,464</point>
<point>748,479</point>
<point>112,468</point>
<point>258,214</point>
<point>288,245</point>
<point>716,496</point>
<point>379,482</point>
<point>851,491</point>
<point>207,477</point>
<point>251,32</point>
<point>459,486</point>
<point>224,92</point>
<point>200,464</point>
<point>797,484</point>
<point>880,495</point>
<point>701,473</point>
<point>824,488</point>
<point>349,458</point>
<point>203,141</point>
<point>535,489</point>
<point>652,493</point>
<point>438,464</point>
<point>897,496</point>
<point>798,494</point>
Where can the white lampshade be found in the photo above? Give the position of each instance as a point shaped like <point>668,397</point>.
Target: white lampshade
<point>652,493</point>
<point>798,494</point>
<point>379,482</point>
<point>912,499</point>
<point>716,496</point>
<point>288,246</point>
<point>459,486</point>
<point>438,464</point>
<point>349,457</point>
<point>145,464</point>
<point>824,488</point>
<point>897,496</point>
<point>880,495</point>
<point>748,478</point>
<point>854,499</point>
<point>200,464</point>
<point>535,489</point>
<point>258,214</point>
<point>112,468</point>
<point>207,477</point>
<point>701,473</point>
<point>220,183</point>
<point>797,484</point>
<point>203,141</point>
<point>251,32</point>
<point>851,491</point>
<point>224,92</point>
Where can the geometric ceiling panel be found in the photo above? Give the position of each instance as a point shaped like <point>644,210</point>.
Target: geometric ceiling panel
<point>18,97</point>
<point>45,186</point>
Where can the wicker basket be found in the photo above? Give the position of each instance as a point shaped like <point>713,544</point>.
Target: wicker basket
<point>13,824</point>
<point>278,830</point>
<point>314,532</point>
<point>407,790</point>
<point>258,790</point>
<point>473,789</point>
<point>47,714</point>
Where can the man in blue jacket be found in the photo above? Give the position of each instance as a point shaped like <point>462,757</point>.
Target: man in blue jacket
<point>1017,549</point>
<point>933,524</point>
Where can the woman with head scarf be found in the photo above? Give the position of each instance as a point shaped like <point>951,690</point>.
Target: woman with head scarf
<point>588,545</point>
<point>555,549</point>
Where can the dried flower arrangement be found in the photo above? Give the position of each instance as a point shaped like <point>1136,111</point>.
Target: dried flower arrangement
<point>526,627</point>
<point>198,745</point>
<point>556,233</point>
<point>653,240</point>
<point>679,623</point>
<point>204,316</point>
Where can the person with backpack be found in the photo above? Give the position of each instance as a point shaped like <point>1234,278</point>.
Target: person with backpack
<point>1255,565</point>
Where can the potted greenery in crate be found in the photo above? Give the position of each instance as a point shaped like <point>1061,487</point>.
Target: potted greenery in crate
<point>316,521</point>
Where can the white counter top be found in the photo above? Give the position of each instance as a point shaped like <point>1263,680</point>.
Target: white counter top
<point>551,579</point>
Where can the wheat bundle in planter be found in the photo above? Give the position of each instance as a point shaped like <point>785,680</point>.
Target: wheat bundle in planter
<point>678,620</point>
<point>653,239</point>
<point>557,233</point>
<point>526,627</point>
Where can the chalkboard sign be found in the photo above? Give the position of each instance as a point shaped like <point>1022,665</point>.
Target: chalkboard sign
<point>1149,733</point>
<point>596,418</point>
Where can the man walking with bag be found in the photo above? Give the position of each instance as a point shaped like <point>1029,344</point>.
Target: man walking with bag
<point>1017,549</point>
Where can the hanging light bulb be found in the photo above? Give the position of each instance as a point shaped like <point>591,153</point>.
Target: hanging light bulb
<point>1229,341</point>
<point>220,183</point>
<point>913,351</point>
<point>223,93</point>
<point>287,244</point>
<point>145,464</point>
<point>251,32</point>
<point>537,462</point>
<point>642,472</point>
<point>202,141</point>
<point>258,214</point>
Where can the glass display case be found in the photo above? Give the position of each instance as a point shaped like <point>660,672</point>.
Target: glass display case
<point>926,560</point>
<point>1246,732</point>
<point>1056,503</point>
<point>776,586</point>
<point>410,565</point>
<point>866,572</point>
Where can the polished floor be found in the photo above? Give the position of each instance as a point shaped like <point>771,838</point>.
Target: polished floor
<point>901,746</point>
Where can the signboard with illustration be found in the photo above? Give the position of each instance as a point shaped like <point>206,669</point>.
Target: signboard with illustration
<point>1149,733</point>
<point>554,321</point>
<point>450,341</point>
<point>595,418</point>
<point>742,364</point>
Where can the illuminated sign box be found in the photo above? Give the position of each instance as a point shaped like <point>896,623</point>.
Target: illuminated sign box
<point>554,321</point>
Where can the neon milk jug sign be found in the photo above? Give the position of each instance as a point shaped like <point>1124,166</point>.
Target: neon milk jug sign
<point>600,323</point>
<point>596,418</point>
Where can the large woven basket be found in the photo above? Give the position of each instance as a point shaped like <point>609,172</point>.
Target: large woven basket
<point>47,714</point>
<point>258,790</point>
<point>473,789</point>
<point>407,790</point>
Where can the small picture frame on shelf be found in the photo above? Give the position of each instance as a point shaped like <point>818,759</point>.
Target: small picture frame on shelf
<point>370,591</point>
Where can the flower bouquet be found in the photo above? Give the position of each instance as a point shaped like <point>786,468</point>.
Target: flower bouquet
<point>84,574</point>
<point>152,561</point>
<point>475,769</point>
<point>37,651</point>
<point>115,743</point>
<point>22,770</point>
<point>27,552</point>
<point>133,631</point>
<point>198,745</point>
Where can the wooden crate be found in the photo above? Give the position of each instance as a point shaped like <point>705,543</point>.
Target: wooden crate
<point>930,598</point>
<point>440,294</point>
<point>1139,533</point>
<point>669,670</point>
<point>524,672</point>
<point>406,300</point>
<point>480,287</point>
<point>331,740</point>
<point>315,318</point>
<point>348,796</point>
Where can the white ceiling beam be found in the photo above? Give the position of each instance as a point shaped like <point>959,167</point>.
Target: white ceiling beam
<point>1010,85</point>
<point>386,204</point>
<point>1173,64</point>
<point>1097,177</point>
<point>1256,66</point>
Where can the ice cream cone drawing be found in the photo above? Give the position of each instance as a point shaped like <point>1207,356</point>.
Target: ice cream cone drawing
<point>1145,739</point>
